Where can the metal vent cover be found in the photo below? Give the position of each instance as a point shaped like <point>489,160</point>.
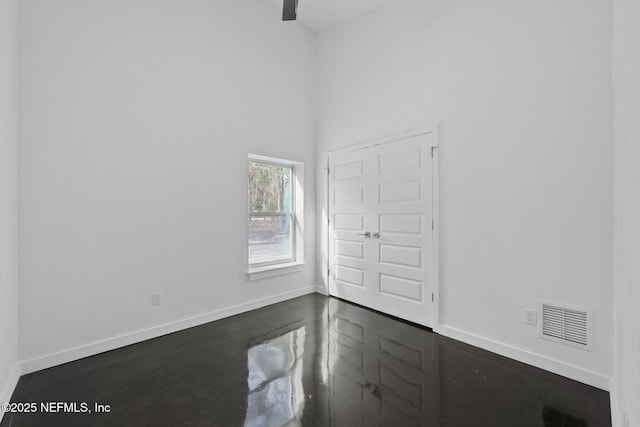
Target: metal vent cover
<point>568,325</point>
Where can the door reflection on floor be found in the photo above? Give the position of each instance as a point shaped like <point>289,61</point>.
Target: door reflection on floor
<point>381,371</point>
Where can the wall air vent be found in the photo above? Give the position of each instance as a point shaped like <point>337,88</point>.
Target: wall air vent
<point>568,325</point>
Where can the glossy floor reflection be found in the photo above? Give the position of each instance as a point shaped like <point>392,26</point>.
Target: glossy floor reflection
<point>311,361</point>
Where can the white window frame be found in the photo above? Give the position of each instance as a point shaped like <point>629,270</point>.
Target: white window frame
<point>295,263</point>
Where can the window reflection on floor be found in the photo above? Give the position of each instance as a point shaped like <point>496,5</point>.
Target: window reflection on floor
<point>276,396</point>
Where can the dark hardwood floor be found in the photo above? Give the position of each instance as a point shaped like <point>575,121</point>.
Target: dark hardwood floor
<point>311,361</point>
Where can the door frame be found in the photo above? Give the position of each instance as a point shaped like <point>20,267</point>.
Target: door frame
<point>435,205</point>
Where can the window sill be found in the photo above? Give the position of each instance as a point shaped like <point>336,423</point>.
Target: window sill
<point>275,270</point>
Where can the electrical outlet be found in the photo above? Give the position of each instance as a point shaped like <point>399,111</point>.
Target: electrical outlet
<point>156,298</point>
<point>530,317</point>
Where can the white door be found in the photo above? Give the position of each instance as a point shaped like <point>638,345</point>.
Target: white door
<point>380,227</point>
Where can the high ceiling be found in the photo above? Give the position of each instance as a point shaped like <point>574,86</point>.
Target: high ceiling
<point>319,15</point>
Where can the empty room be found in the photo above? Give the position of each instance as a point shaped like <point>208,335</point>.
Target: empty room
<point>320,213</point>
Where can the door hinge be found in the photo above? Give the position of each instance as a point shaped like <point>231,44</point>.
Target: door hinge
<point>432,148</point>
<point>432,296</point>
<point>328,272</point>
<point>327,170</point>
<point>432,225</point>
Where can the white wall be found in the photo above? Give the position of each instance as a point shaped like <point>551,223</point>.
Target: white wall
<point>626,106</point>
<point>136,120</point>
<point>523,93</point>
<point>8,197</point>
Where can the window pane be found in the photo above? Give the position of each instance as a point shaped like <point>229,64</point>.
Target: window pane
<point>269,239</point>
<point>269,188</point>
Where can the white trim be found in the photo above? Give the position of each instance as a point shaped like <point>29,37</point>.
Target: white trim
<point>435,144</point>
<point>274,270</point>
<point>322,290</point>
<point>385,139</point>
<point>273,160</point>
<point>616,420</point>
<point>594,379</point>
<point>297,217</point>
<point>9,387</point>
<point>325,227</point>
<point>108,344</point>
<point>435,212</point>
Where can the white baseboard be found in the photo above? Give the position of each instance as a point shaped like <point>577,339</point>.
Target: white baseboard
<point>585,376</point>
<point>616,419</point>
<point>108,344</point>
<point>9,387</point>
<point>321,290</point>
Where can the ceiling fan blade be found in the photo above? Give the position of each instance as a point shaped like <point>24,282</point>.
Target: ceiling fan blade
<point>290,10</point>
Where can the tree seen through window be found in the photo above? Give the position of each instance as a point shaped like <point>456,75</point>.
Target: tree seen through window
<point>270,213</point>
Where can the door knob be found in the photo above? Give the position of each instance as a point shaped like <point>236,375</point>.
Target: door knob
<point>366,234</point>
<point>376,235</point>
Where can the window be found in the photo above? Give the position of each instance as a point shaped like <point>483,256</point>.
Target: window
<point>275,211</point>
